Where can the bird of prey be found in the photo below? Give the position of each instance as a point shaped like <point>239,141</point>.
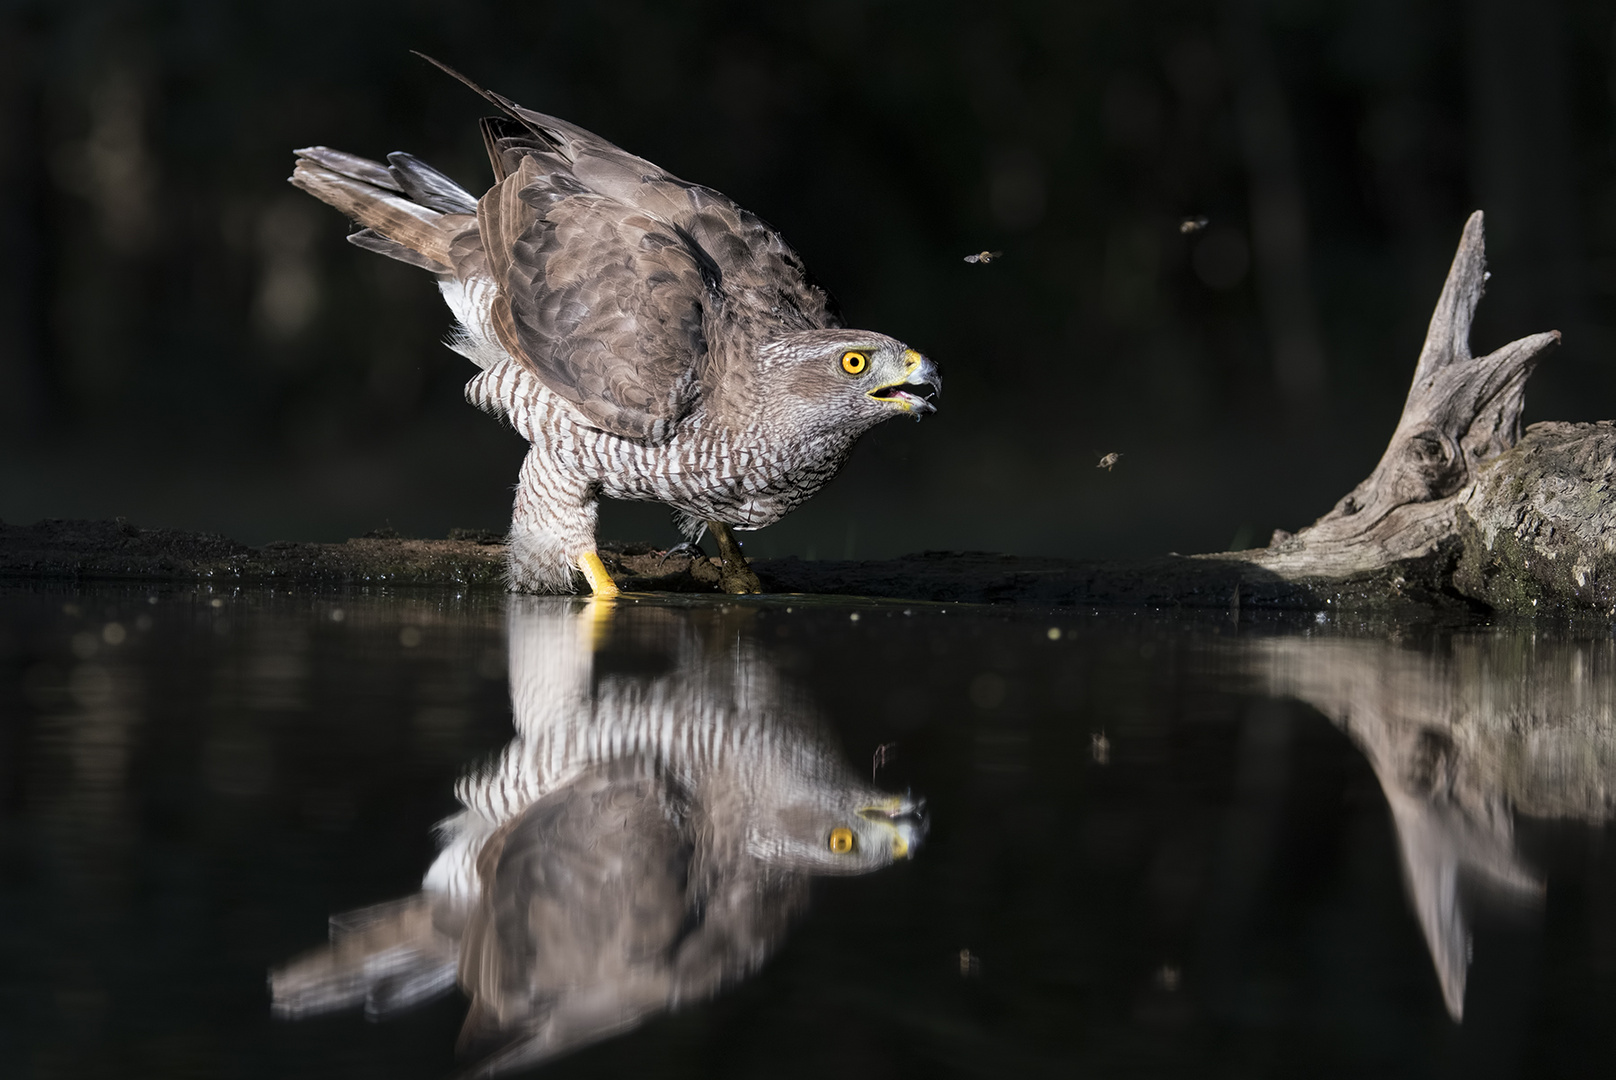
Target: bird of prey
<point>652,340</point>
<point>646,837</point>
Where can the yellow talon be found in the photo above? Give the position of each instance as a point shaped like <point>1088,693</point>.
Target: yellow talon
<point>600,582</point>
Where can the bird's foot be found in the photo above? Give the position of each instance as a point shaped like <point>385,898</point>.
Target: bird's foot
<point>687,550</point>
<point>600,582</point>
<point>734,576</point>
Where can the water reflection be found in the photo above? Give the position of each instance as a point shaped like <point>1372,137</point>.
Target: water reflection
<point>1462,738</point>
<point>646,837</point>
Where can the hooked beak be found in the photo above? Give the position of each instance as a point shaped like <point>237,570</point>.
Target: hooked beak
<point>905,393</point>
<point>905,817</point>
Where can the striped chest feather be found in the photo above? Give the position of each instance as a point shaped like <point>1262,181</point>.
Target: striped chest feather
<point>747,477</point>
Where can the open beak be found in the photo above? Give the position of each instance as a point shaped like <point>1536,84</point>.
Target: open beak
<point>906,393</point>
<point>905,817</point>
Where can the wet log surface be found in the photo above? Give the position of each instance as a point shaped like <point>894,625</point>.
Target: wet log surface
<point>118,550</point>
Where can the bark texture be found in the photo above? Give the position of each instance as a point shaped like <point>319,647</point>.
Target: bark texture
<point>1462,412</point>
<point>1538,527</point>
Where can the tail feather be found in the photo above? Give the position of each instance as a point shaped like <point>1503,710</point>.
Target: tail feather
<point>428,186</point>
<point>352,166</point>
<point>371,240</point>
<point>375,200</point>
<point>387,957</point>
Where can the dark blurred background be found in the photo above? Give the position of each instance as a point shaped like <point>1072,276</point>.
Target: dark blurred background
<point>189,342</point>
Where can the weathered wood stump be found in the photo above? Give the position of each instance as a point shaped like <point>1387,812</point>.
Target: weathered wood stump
<point>1462,413</point>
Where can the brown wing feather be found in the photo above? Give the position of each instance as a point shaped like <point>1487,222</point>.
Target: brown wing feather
<point>754,261</point>
<point>501,218</point>
<point>602,303</point>
<point>614,275</point>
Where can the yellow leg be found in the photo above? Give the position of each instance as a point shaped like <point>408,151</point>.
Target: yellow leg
<point>600,582</point>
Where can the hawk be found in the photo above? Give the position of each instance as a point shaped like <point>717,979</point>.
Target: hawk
<point>652,340</point>
<point>647,837</point>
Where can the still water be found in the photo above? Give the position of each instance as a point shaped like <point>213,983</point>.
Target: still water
<point>266,834</point>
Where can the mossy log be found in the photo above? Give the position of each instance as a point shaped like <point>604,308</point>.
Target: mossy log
<point>1537,530</point>
<point>1461,512</point>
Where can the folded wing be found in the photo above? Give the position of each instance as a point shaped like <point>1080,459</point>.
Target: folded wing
<point>628,291</point>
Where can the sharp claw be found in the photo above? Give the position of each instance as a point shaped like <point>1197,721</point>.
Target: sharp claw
<point>687,550</point>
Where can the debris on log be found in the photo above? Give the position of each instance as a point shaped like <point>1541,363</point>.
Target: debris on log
<point>113,551</point>
<point>121,551</point>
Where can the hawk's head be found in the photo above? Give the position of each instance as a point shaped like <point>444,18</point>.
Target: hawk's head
<point>844,379</point>
<point>836,828</point>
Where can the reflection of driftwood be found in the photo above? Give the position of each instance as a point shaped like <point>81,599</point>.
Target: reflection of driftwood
<point>1460,743</point>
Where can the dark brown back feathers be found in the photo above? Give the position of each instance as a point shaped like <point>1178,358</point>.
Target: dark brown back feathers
<point>630,293</point>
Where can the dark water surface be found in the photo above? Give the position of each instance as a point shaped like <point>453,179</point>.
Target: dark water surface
<point>1158,845</point>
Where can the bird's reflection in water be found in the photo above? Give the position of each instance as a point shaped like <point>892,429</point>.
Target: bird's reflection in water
<point>646,837</point>
<point>1463,738</point>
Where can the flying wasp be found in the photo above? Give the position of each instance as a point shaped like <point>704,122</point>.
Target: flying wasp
<point>984,257</point>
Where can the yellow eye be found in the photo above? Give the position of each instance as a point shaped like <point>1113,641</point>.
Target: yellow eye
<point>854,363</point>
<point>841,837</point>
